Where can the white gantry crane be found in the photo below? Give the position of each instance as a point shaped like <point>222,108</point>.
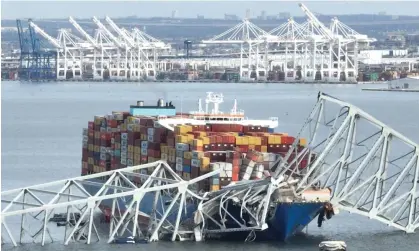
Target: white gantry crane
<point>103,50</point>
<point>249,37</point>
<point>69,52</point>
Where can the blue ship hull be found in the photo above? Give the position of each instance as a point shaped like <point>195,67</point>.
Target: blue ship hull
<point>286,220</point>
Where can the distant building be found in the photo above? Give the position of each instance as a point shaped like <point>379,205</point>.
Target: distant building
<point>395,41</point>
<point>200,17</point>
<point>174,13</point>
<point>382,13</point>
<point>230,17</point>
<point>248,13</point>
<point>284,15</point>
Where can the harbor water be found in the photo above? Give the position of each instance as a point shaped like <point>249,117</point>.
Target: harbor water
<point>41,142</point>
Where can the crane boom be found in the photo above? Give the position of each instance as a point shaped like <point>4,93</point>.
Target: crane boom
<point>52,40</point>
<point>119,31</point>
<point>83,32</point>
<point>108,33</point>
<point>313,18</point>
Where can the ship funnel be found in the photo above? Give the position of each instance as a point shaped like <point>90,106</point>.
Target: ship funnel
<point>140,103</point>
<point>160,102</point>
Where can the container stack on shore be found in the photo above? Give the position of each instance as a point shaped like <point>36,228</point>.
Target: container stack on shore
<point>240,152</point>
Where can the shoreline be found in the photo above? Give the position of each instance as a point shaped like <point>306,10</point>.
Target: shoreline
<point>189,81</point>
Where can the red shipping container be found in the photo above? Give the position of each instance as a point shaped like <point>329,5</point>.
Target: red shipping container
<point>84,171</point>
<point>91,125</point>
<point>85,155</point>
<point>207,128</point>
<point>243,148</point>
<point>287,140</point>
<point>102,163</point>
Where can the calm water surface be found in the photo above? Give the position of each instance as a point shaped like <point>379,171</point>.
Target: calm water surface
<point>41,142</point>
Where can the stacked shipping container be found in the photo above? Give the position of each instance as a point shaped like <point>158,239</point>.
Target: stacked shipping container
<point>241,152</point>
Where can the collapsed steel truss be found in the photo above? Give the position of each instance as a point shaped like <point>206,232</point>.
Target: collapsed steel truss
<point>371,169</point>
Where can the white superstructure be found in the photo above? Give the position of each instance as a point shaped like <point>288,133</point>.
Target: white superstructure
<point>215,116</point>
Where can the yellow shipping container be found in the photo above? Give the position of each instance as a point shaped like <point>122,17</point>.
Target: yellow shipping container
<point>252,147</point>
<point>130,155</point>
<point>181,139</point>
<point>130,148</point>
<point>164,149</point>
<point>198,154</point>
<point>271,139</point>
<point>202,134</point>
<point>215,187</point>
<point>303,142</point>
<point>264,149</point>
<point>90,147</point>
<point>198,142</point>
<point>239,140</point>
<point>183,129</point>
<point>90,161</point>
<point>172,151</point>
<point>205,140</point>
<point>137,156</point>
<point>205,162</point>
<point>190,138</point>
<point>137,149</point>
<point>97,149</point>
<point>242,140</point>
<point>278,139</point>
<point>123,127</point>
<point>187,155</point>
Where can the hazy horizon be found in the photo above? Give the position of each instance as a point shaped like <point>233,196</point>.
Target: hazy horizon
<point>187,9</point>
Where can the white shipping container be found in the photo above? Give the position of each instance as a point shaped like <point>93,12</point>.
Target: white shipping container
<point>164,156</point>
<point>228,166</point>
<point>130,162</point>
<point>179,167</point>
<point>179,153</point>
<point>196,162</point>
<point>85,132</point>
<point>103,129</point>
<point>150,138</point>
<point>144,144</point>
<point>124,142</point>
<point>123,155</point>
<point>103,149</point>
<point>136,121</point>
<point>130,127</point>
<point>150,131</point>
<point>102,156</point>
<point>143,178</point>
<point>124,148</point>
<point>144,152</point>
<point>123,161</point>
<point>118,116</point>
<point>179,160</point>
<point>124,136</point>
<point>182,147</point>
<point>246,176</point>
<point>214,166</point>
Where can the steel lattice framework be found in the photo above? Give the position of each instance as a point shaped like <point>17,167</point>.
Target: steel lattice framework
<point>372,169</point>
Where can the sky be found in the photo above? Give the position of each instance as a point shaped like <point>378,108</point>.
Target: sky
<point>12,9</point>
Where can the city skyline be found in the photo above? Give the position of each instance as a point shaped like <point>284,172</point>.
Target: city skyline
<point>186,9</point>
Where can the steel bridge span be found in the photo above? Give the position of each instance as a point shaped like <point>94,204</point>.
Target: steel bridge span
<point>371,169</point>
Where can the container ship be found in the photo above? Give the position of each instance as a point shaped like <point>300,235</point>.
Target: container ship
<point>194,144</point>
